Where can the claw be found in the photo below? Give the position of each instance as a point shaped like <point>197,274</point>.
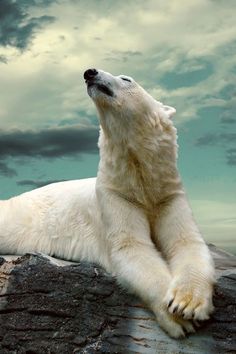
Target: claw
<point>196,323</point>
<point>170,302</point>
<point>175,308</point>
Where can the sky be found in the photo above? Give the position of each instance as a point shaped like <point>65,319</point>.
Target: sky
<point>181,52</point>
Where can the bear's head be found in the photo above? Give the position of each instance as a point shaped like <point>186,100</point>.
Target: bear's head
<point>124,105</point>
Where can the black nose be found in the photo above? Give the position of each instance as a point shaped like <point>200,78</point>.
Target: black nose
<point>90,74</point>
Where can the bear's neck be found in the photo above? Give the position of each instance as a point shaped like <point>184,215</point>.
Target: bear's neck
<point>142,168</point>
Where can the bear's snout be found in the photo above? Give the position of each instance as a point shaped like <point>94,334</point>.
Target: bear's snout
<point>90,74</point>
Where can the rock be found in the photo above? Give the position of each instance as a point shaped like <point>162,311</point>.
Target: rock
<point>56,307</point>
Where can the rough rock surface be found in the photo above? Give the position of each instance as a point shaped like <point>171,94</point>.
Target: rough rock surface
<point>55,307</point>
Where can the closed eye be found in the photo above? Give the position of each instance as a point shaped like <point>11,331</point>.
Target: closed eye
<point>125,79</point>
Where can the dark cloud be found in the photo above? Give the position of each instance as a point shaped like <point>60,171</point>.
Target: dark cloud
<point>117,55</point>
<point>207,139</point>
<point>228,120</point>
<point>37,184</point>
<point>226,137</point>
<point>229,115</point>
<point>6,171</point>
<point>39,3</point>
<point>212,139</point>
<point>3,59</point>
<point>49,143</point>
<point>17,28</point>
<point>222,139</point>
<point>231,156</point>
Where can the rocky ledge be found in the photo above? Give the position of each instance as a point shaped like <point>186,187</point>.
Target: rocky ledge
<point>55,307</point>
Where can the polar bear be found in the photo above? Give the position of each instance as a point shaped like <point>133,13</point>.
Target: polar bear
<point>133,219</point>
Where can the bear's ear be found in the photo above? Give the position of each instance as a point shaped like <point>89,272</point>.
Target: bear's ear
<point>170,111</point>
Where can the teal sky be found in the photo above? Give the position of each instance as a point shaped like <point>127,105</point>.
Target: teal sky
<point>182,52</point>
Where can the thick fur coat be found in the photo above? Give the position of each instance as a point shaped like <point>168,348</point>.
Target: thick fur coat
<point>133,219</point>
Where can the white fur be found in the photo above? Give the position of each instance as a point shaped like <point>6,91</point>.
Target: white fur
<point>133,219</point>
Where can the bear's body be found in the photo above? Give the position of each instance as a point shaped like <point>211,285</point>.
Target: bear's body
<point>60,219</point>
<point>133,219</point>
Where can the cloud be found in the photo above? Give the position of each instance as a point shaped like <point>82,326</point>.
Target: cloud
<point>231,156</point>
<point>7,171</point>
<point>208,139</point>
<point>49,143</point>
<point>216,139</point>
<point>226,138</point>
<point>3,59</point>
<point>36,184</point>
<point>222,140</point>
<point>228,119</point>
<point>229,115</point>
<point>38,3</point>
<point>121,55</point>
<point>16,27</point>
<point>66,141</point>
<point>156,40</point>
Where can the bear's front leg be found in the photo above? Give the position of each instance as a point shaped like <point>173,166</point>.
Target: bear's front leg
<point>191,265</point>
<point>135,260</point>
